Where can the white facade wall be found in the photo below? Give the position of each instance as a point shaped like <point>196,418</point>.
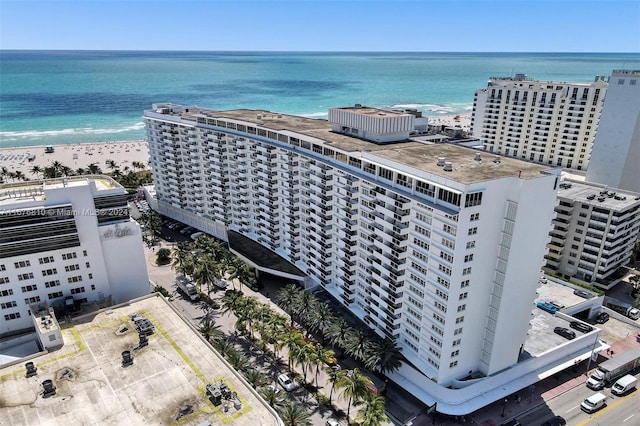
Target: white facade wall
<point>377,125</point>
<point>90,268</point>
<point>616,151</point>
<point>391,242</point>
<point>543,121</point>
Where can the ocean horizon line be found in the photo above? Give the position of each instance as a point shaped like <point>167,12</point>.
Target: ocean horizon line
<point>297,52</point>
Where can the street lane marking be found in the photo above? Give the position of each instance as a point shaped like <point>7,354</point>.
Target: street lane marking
<point>571,409</point>
<point>628,417</point>
<point>607,408</point>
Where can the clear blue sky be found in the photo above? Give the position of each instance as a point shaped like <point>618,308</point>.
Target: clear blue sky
<point>333,25</point>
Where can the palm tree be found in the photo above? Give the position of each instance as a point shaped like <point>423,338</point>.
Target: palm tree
<point>294,415</point>
<point>373,412</point>
<point>111,164</point>
<point>238,361</point>
<point>301,354</point>
<point>137,165</point>
<point>320,357</point>
<point>338,332</point>
<point>357,343</point>
<point>211,331</point>
<point>66,171</point>
<point>306,303</point>
<point>383,356</point>
<point>255,378</point>
<point>181,257</point>
<point>354,386</point>
<point>291,339</point>
<point>321,319</point>
<point>224,347</point>
<point>36,170</point>
<point>287,298</point>
<point>206,271</point>
<point>335,377</point>
<point>81,171</point>
<point>94,169</point>
<point>273,396</point>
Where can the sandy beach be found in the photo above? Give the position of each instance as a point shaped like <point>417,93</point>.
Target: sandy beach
<point>462,120</point>
<point>75,156</point>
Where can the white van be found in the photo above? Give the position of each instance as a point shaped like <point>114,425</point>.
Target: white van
<point>594,402</point>
<point>624,384</point>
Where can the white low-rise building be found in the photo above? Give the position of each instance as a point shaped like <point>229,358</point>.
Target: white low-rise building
<point>66,237</point>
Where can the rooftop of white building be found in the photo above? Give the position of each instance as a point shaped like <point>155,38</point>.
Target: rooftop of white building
<point>468,165</point>
<point>16,192</point>
<point>93,387</point>
<point>597,195</point>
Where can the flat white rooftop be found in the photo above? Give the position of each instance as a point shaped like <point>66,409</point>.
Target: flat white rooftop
<point>167,376</point>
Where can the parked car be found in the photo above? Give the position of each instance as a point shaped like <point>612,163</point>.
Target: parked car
<point>546,306</point>
<point>602,318</point>
<point>565,332</point>
<point>543,279</point>
<point>580,326</point>
<point>557,304</point>
<point>583,293</point>
<point>285,381</point>
<point>556,421</point>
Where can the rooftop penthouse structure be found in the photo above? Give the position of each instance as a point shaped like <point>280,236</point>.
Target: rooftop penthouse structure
<point>66,238</point>
<point>436,246</point>
<point>547,122</point>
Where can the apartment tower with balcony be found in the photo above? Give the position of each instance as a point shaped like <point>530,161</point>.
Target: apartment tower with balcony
<point>547,122</point>
<point>436,246</point>
<point>594,232</point>
<point>66,238</point>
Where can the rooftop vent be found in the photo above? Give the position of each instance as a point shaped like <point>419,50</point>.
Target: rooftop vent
<point>448,166</point>
<point>591,196</point>
<point>497,159</point>
<point>441,161</point>
<point>478,157</point>
<point>49,388</point>
<point>258,117</point>
<point>601,199</point>
<point>357,106</point>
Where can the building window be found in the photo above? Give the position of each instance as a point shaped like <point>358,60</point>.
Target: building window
<point>93,286</point>
<point>7,292</point>
<point>462,308</point>
<point>474,199</point>
<point>455,353</point>
<point>13,316</point>
<point>453,364</point>
<point>475,216</point>
<point>34,299</point>
<point>471,244</point>
<point>84,253</point>
<point>3,268</point>
<point>90,276</point>
<point>51,271</point>
<point>68,256</point>
<point>27,288</point>
<point>4,280</point>
<point>22,264</point>
<point>473,231</point>
<point>464,284</point>
<point>27,276</point>
<point>466,271</point>
<point>463,296</point>
<point>87,264</point>
<point>77,290</point>
<point>75,279</point>
<point>54,283</point>
<point>70,268</point>
<point>468,257</point>
<point>459,320</point>
<point>456,342</point>
<point>46,259</point>
<point>54,295</point>
<point>8,305</point>
<point>457,331</point>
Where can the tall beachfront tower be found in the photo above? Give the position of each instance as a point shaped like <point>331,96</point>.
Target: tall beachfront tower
<point>436,246</point>
<point>66,237</point>
<point>616,150</point>
<point>543,121</point>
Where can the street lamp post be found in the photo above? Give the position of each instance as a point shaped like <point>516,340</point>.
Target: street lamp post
<point>504,407</point>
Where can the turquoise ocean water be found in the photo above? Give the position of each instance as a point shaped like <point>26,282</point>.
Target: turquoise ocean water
<point>61,97</point>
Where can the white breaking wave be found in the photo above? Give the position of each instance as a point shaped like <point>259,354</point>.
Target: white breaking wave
<point>437,108</point>
<point>315,115</point>
<point>30,134</point>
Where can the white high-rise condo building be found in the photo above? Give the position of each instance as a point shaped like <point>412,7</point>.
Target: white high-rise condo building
<point>66,238</point>
<point>593,233</point>
<point>616,150</point>
<point>434,245</point>
<point>543,121</point>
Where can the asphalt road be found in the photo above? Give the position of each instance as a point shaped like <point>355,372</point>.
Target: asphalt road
<point>621,411</point>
